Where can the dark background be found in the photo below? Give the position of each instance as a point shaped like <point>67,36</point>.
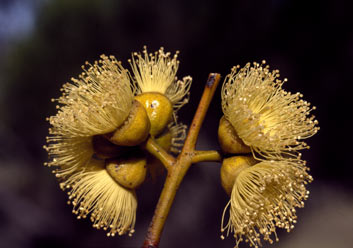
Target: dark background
<point>44,43</point>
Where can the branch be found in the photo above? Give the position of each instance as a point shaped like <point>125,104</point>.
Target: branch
<point>206,156</point>
<point>177,172</point>
<point>153,148</point>
<point>210,88</point>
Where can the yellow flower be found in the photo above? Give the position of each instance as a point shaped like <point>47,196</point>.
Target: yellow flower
<point>156,72</point>
<point>268,119</point>
<point>90,105</point>
<point>93,191</point>
<point>96,103</point>
<point>158,89</point>
<point>264,197</point>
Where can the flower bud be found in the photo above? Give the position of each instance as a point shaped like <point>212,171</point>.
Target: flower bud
<point>229,140</point>
<point>134,130</point>
<point>230,169</point>
<point>159,110</point>
<point>128,172</point>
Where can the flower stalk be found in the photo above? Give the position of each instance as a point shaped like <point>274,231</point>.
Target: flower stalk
<point>156,150</point>
<point>201,156</point>
<point>177,168</point>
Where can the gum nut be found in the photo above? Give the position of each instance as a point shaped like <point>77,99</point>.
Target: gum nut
<point>159,110</point>
<point>128,172</point>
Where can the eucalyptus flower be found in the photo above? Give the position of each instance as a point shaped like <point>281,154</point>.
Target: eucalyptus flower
<point>90,107</point>
<point>92,191</point>
<point>156,72</point>
<point>268,119</point>
<point>158,88</point>
<point>264,196</point>
<point>262,118</point>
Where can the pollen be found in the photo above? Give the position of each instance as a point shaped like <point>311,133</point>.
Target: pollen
<point>156,72</point>
<point>270,120</point>
<point>265,197</point>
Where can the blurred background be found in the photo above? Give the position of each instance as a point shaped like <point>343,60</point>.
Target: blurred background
<point>44,43</point>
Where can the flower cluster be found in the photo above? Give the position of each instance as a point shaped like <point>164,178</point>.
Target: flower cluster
<point>96,113</point>
<point>106,115</point>
<point>272,123</point>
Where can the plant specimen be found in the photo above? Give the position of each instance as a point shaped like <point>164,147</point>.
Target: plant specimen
<point>113,127</point>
